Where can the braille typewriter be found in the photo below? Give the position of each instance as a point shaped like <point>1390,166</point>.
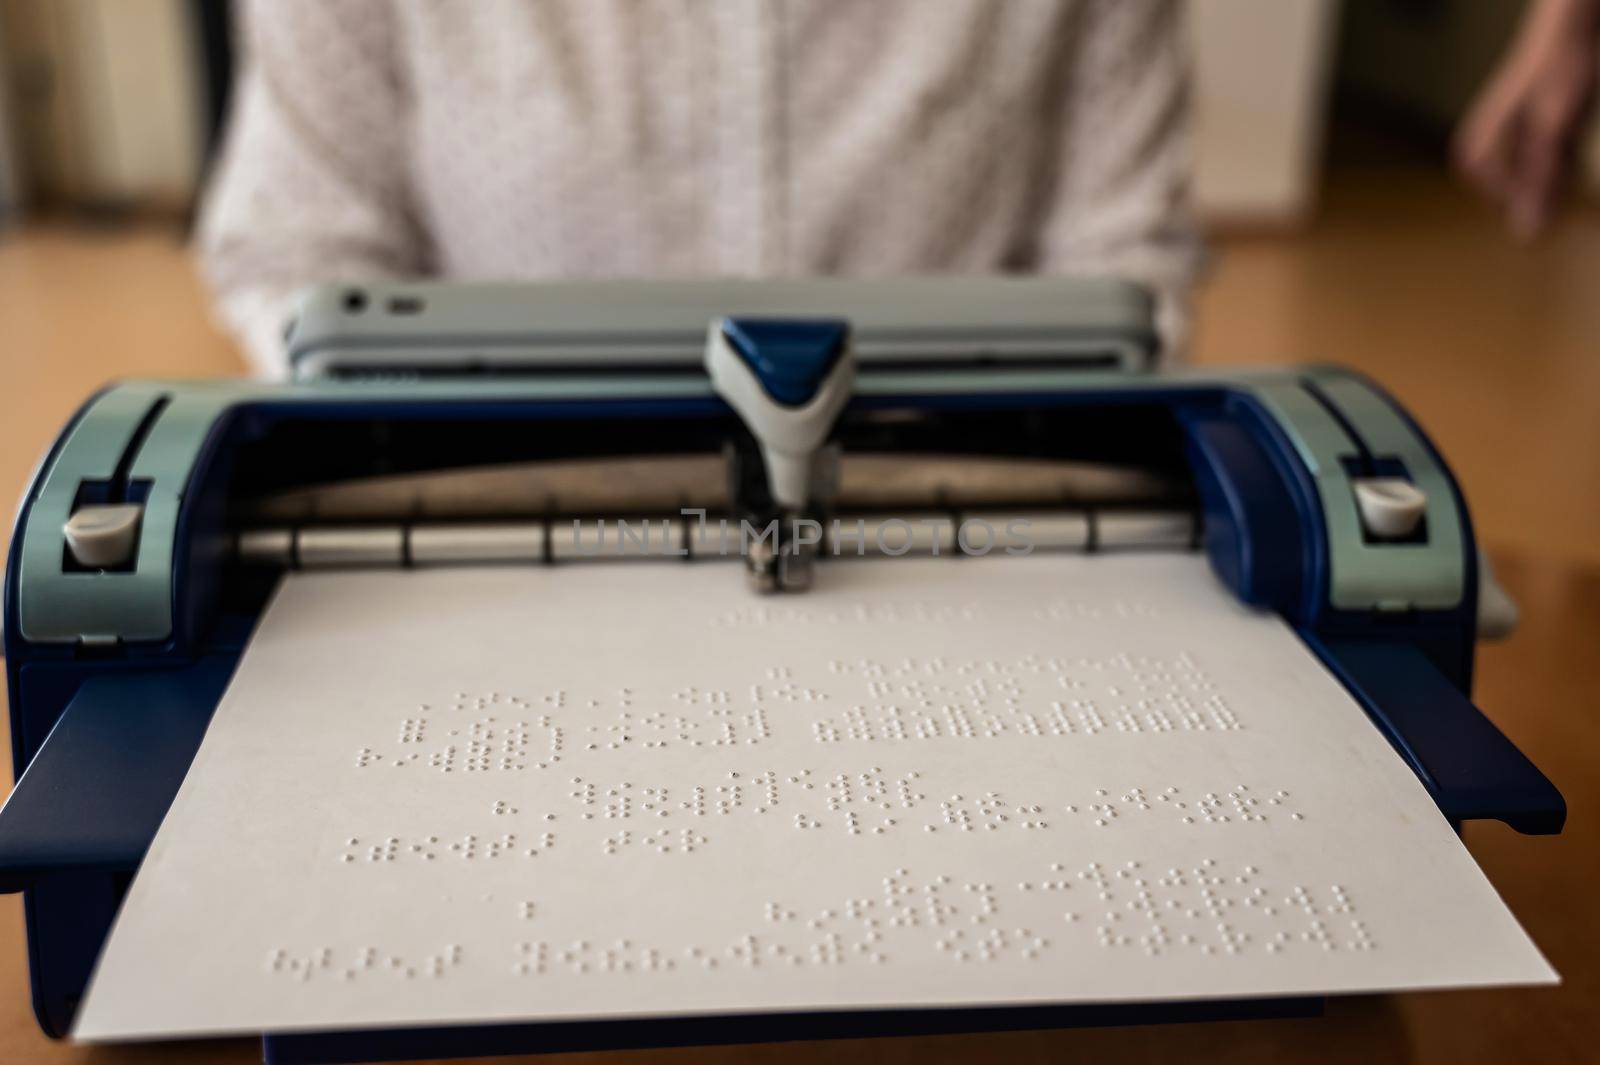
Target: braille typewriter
<point>764,431</point>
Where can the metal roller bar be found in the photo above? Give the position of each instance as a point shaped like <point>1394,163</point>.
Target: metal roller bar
<point>336,547</point>
<point>1065,530</point>
<point>444,544</point>
<point>874,535</point>
<point>569,540</point>
<point>265,547</point>
<point>579,540</point>
<point>1123,530</point>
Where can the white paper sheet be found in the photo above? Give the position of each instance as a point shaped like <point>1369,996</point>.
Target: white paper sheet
<point>634,789</point>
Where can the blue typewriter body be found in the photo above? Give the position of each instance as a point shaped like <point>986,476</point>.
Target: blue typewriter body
<point>113,668</point>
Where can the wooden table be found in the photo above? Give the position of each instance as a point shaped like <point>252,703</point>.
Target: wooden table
<point>1496,350</point>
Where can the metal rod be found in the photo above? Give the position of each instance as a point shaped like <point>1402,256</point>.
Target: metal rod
<point>567,540</point>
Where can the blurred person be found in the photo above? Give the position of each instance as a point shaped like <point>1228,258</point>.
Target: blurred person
<point>512,139</point>
<point>1518,139</point>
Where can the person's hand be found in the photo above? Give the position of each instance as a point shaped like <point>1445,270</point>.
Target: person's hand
<point>1517,138</point>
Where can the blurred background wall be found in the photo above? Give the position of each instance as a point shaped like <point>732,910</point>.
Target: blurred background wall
<point>104,101</point>
<point>111,105</point>
<point>1262,75</point>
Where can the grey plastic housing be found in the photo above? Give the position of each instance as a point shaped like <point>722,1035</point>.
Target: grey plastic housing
<point>393,327</point>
